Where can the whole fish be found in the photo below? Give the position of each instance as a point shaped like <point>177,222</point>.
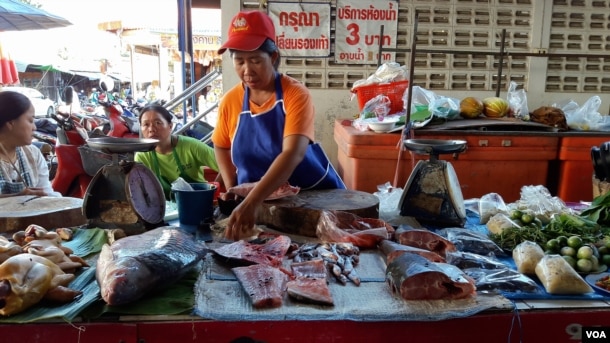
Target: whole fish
<point>135,265</point>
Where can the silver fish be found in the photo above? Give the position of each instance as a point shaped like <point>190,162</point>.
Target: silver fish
<point>135,265</point>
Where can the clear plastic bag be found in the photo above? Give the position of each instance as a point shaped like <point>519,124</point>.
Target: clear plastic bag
<point>463,260</point>
<point>181,185</point>
<point>505,279</point>
<point>341,226</point>
<point>517,100</point>
<point>470,241</point>
<point>585,117</point>
<point>539,201</point>
<point>489,205</point>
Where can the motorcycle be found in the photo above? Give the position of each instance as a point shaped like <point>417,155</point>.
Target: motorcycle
<point>121,125</point>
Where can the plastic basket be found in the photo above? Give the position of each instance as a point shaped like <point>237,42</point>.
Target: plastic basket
<point>393,90</point>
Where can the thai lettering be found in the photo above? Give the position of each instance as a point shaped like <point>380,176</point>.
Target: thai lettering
<point>371,13</point>
<point>359,55</point>
<point>321,43</point>
<point>296,19</point>
<point>375,40</point>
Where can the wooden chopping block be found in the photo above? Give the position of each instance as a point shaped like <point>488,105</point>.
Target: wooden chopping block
<point>17,212</point>
<point>299,214</point>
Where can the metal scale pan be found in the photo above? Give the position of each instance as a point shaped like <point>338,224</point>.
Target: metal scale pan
<point>124,194</point>
<point>433,194</point>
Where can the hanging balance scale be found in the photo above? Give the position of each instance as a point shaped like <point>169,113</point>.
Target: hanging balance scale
<point>432,194</point>
<point>124,194</point>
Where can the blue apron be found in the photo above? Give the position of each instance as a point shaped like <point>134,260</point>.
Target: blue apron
<point>258,141</point>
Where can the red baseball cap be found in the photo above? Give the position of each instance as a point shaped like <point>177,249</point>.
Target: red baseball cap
<point>248,31</point>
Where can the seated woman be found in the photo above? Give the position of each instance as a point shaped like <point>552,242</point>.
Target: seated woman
<point>23,168</point>
<point>175,156</point>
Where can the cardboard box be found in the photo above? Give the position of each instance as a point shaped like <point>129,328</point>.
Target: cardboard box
<point>494,162</point>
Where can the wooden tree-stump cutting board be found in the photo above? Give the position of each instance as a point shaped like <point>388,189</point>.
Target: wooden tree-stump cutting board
<point>299,214</point>
<point>17,212</point>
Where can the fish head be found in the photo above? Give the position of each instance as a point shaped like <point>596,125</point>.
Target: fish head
<point>125,281</point>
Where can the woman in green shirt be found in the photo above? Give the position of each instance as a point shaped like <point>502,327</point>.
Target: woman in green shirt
<point>175,156</point>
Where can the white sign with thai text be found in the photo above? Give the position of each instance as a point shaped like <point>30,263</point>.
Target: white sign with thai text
<point>301,29</point>
<point>358,26</point>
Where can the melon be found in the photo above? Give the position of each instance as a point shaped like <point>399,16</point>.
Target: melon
<point>471,107</point>
<point>495,107</point>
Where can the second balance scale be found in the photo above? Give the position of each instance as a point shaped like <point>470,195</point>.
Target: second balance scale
<point>124,194</point>
<point>432,194</point>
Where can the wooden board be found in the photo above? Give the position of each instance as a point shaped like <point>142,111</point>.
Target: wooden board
<point>17,212</point>
<point>299,214</point>
<point>494,124</point>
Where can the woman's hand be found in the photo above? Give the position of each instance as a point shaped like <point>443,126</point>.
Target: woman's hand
<point>33,191</point>
<point>242,221</point>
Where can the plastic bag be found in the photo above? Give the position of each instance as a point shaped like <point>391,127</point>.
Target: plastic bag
<point>517,100</point>
<point>341,226</point>
<point>585,117</point>
<point>445,107</point>
<point>181,185</point>
<point>389,199</point>
<point>505,279</point>
<point>526,255</point>
<point>463,260</point>
<point>387,72</point>
<point>470,241</point>
<point>377,107</point>
<point>539,201</point>
<point>489,205</point>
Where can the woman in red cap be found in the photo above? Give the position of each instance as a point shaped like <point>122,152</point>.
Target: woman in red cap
<point>265,126</point>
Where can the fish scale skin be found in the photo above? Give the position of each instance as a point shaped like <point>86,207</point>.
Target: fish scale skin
<point>134,265</point>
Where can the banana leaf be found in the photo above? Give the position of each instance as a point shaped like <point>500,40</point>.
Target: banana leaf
<point>84,282</point>
<point>178,298</point>
<point>86,242</point>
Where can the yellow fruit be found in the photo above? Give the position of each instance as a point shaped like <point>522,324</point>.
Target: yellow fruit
<point>495,107</point>
<point>471,107</point>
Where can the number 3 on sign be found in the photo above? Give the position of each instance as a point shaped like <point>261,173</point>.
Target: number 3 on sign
<point>354,34</point>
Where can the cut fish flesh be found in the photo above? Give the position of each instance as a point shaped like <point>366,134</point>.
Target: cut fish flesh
<point>265,285</point>
<point>313,290</point>
<point>270,253</point>
<point>413,277</point>
<point>423,239</point>
<point>391,250</point>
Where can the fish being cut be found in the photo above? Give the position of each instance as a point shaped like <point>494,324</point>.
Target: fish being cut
<point>265,285</point>
<point>25,279</point>
<point>413,277</point>
<point>134,265</point>
<point>423,239</point>
<point>270,253</point>
<point>283,191</point>
<point>392,250</point>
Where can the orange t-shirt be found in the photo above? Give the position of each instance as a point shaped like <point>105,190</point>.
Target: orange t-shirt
<point>298,107</point>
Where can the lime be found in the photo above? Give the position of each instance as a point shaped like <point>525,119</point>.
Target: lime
<point>606,260</point>
<point>584,252</point>
<point>552,245</point>
<point>516,214</point>
<point>603,250</point>
<point>567,251</point>
<point>575,242</point>
<point>571,261</point>
<point>607,244</point>
<point>527,218</point>
<point>595,263</point>
<point>584,265</point>
<point>563,240</point>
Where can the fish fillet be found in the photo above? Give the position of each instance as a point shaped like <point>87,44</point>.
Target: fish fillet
<point>135,265</point>
<point>265,285</point>
<point>285,190</point>
<point>313,290</point>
